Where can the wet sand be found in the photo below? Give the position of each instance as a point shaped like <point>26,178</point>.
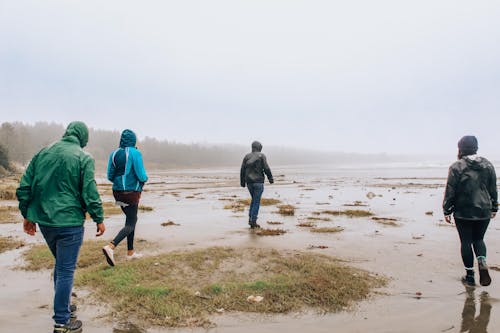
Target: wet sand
<point>420,256</point>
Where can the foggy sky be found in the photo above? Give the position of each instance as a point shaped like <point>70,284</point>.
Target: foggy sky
<point>353,76</point>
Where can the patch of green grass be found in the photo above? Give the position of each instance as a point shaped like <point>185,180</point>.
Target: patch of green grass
<point>185,288</point>
<point>39,257</point>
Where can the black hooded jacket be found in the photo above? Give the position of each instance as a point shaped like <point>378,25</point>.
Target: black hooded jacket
<point>254,166</point>
<point>471,189</point>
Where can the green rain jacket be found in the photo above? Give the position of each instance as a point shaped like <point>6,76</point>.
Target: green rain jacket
<point>58,186</point>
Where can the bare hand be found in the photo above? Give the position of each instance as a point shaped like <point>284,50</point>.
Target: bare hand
<point>100,229</point>
<point>29,227</point>
<point>493,214</point>
<point>447,218</point>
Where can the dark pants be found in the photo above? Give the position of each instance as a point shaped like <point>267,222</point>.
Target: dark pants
<point>255,190</point>
<point>129,229</point>
<point>64,243</point>
<point>471,237</point>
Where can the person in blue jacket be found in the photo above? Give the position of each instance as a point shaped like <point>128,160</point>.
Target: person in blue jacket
<point>127,173</point>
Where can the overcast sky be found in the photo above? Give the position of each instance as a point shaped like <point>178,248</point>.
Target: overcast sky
<point>355,76</point>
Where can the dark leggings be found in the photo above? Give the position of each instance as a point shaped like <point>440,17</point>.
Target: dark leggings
<point>471,236</point>
<point>128,231</point>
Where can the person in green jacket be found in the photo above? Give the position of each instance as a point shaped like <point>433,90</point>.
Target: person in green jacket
<point>55,192</point>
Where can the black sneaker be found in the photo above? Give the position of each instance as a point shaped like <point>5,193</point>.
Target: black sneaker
<point>72,327</point>
<point>254,226</point>
<point>469,281</point>
<point>484,275</point>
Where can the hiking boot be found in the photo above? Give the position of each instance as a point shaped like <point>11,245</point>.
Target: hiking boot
<point>484,275</point>
<point>72,327</point>
<point>468,280</point>
<point>109,254</point>
<point>134,255</point>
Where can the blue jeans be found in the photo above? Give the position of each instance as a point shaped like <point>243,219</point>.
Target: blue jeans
<point>255,190</point>
<point>64,243</point>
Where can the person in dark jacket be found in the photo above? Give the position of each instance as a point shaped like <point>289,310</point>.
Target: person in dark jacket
<point>126,172</point>
<point>55,192</point>
<point>471,196</point>
<point>252,172</point>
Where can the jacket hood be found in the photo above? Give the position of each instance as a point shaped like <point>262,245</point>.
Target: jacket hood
<point>78,130</point>
<point>128,139</point>
<point>476,162</point>
<point>256,146</point>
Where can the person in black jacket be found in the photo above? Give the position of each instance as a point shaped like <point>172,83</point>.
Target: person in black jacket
<point>471,196</point>
<point>252,174</point>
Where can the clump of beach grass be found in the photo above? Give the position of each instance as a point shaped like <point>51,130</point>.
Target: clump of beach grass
<point>287,210</point>
<point>145,208</point>
<point>169,223</point>
<point>185,288</point>
<point>8,194</point>
<point>356,203</point>
<point>274,222</point>
<point>9,243</point>
<point>238,205</point>
<point>315,218</point>
<point>110,208</point>
<point>348,212</point>
<point>327,229</point>
<point>8,186</point>
<point>386,221</point>
<point>235,206</point>
<point>10,214</point>
<point>306,224</point>
<point>270,232</point>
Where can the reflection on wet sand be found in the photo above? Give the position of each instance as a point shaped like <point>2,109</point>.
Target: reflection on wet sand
<point>471,323</point>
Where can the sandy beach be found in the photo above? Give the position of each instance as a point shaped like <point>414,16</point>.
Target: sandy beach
<point>415,249</point>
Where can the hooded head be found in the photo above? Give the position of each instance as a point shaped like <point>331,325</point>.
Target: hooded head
<point>256,146</point>
<point>467,146</point>
<point>128,139</point>
<point>78,130</point>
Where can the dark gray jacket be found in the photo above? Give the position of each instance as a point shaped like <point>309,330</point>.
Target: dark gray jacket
<point>254,166</point>
<point>471,189</point>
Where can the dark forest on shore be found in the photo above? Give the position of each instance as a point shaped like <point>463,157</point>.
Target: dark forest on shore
<point>20,141</point>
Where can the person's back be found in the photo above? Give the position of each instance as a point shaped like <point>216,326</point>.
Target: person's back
<point>254,166</point>
<point>474,188</point>
<point>125,167</point>
<point>61,189</point>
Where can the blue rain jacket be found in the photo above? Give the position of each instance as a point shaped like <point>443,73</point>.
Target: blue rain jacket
<point>125,166</point>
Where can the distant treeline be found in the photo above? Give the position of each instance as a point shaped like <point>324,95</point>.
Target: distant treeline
<point>21,141</point>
